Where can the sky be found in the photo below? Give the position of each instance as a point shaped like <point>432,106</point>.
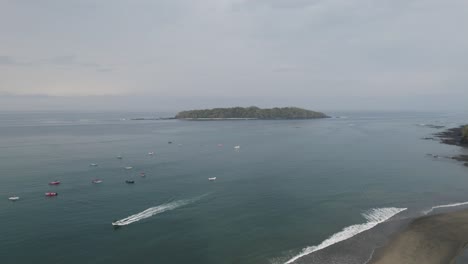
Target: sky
<point>176,54</point>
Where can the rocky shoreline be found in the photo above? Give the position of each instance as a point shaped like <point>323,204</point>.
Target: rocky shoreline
<point>436,238</point>
<point>454,136</point>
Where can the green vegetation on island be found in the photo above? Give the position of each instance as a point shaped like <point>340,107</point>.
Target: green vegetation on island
<point>252,112</point>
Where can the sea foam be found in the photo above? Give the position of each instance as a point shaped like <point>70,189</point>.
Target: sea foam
<point>154,211</point>
<point>374,217</point>
<point>444,206</point>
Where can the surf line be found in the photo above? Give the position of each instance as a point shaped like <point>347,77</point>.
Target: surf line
<point>444,206</point>
<point>154,211</point>
<point>374,217</point>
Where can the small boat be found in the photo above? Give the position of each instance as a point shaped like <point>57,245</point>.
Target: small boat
<point>93,165</point>
<point>96,181</point>
<point>151,153</point>
<point>128,168</point>
<point>170,142</point>
<point>119,157</point>
<point>50,194</point>
<point>212,179</point>
<point>130,181</point>
<point>142,174</point>
<point>237,147</point>
<point>54,183</point>
<point>13,198</point>
<point>220,145</point>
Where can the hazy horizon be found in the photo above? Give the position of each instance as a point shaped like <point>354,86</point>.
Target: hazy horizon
<point>172,55</point>
<point>172,104</point>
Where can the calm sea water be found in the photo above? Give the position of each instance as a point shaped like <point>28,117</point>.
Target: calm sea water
<point>292,184</point>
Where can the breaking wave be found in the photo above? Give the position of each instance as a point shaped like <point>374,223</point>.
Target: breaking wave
<point>374,217</point>
<point>154,211</point>
<point>444,206</point>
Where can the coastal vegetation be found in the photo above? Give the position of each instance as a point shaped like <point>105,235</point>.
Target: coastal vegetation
<point>252,112</point>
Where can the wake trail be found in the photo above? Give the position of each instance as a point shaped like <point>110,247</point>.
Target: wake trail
<point>154,211</point>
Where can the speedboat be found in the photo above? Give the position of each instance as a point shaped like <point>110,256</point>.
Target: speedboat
<point>54,183</point>
<point>93,165</point>
<point>50,194</point>
<point>96,181</point>
<point>130,181</point>
<point>128,168</point>
<point>13,198</point>
<point>212,179</point>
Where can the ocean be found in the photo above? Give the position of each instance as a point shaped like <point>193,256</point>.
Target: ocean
<point>296,191</point>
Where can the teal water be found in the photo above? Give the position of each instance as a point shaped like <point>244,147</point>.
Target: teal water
<point>291,185</point>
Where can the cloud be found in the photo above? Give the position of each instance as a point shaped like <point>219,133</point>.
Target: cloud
<point>7,60</point>
<point>311,48</point>
<point>62,60</point>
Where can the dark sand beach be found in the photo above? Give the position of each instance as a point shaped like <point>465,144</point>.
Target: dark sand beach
<point>430,240</point>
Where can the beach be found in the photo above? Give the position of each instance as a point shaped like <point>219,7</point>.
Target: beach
<point>430,239</point>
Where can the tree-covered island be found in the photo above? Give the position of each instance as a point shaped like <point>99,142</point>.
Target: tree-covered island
<point>252,112</point>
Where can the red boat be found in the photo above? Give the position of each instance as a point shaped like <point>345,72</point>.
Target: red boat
<point>54,183</point>
<point>51,194</point>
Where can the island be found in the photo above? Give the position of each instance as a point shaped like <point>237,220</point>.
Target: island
<point>253,112</point>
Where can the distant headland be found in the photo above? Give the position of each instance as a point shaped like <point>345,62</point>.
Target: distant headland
<point>253,112</point>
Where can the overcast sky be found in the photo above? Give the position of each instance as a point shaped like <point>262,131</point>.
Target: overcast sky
<point>343,54</point>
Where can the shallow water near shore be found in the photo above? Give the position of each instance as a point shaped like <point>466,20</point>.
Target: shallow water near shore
<point>292,185</point>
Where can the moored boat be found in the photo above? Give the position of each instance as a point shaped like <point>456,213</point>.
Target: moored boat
<point>212,179</point>
<point>13,198</point>
<point>54,183</point>
<point>96,181</point>
<point>130,181</point>
<point>50,194</point>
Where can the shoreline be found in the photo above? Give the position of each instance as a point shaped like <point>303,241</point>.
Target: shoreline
<point>429,239</point>
<point>439,238</point>
<point>453,136</point>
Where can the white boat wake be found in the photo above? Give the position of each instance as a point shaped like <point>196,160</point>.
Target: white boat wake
<point>373,217</point>
<point>444,206</point>
<point>154,211</point>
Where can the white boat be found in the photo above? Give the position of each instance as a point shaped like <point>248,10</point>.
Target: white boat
<point>151,153</point>
<point>212,179</point>
<point>93,165</point>
<point>13,198</point>
<point>128,168</point>
<point>237,147</point>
